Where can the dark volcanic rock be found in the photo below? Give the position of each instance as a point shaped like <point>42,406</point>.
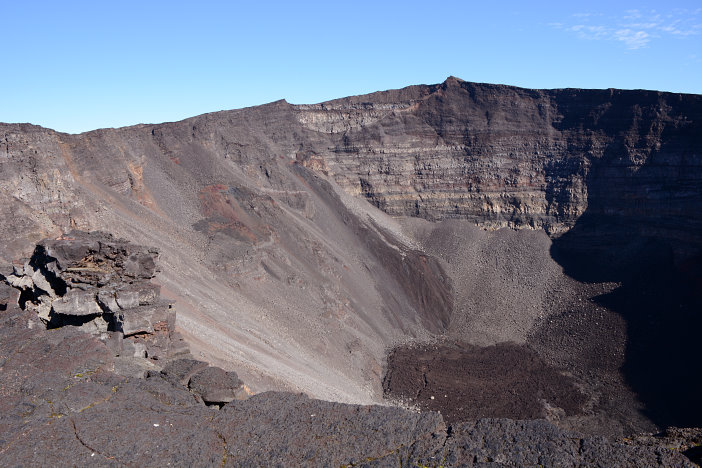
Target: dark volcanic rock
<point>217,386</point>
<point>150,422</point>
<point>277,429</point>
<point>77,302</point>
<point>469,382</point>
<point>100,284</point>
<point>504,442</point>
<point>688,441</point>
<point>180,370</point>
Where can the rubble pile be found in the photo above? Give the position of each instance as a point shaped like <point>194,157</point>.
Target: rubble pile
<point>103,286</point>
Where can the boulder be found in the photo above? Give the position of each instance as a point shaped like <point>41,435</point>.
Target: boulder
<point>216,386</point>
<point>77,302</point>
<point>180,370</point>
<point>142,319</point>
<point>137,294</point>
<point>106,299</point>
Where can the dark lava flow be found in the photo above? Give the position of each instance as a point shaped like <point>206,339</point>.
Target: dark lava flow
<point>466,382</point>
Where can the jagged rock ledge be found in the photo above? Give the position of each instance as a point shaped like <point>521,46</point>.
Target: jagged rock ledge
<point>102,286</point>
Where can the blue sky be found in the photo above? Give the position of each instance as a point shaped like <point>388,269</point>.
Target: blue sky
<point>76,66</point>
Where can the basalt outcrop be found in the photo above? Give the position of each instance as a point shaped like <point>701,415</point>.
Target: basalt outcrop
<point>101,285</point>
<point>92,283</point>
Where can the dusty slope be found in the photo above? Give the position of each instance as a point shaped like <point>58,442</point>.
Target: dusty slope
<point>274,275</point>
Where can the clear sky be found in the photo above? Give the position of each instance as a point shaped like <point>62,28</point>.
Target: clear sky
<point>80,65</point>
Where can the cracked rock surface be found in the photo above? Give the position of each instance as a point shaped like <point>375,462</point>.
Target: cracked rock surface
<point>101,285</point>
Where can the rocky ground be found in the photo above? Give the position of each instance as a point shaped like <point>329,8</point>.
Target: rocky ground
<point>466,382</point>
<point>70,395</point>
<point>66,401</point>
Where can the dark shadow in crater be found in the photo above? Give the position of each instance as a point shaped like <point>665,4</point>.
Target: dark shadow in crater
<point>661,307</point>
<point>694,454</point>
<point>642,229</point>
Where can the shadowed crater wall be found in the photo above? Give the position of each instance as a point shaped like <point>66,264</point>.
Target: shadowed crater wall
<point>659,299</point>
<point>642,230</point>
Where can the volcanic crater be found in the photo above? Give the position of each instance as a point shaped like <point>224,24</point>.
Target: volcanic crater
<point>479,250</point>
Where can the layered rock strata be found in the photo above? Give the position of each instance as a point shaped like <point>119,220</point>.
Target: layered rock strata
<point>504,156</point>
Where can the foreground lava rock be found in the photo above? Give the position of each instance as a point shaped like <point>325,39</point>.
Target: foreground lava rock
<point>101,285</point>
<point>61,403</point>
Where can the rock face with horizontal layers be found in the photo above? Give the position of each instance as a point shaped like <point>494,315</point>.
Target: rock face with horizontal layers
<point>503,156</point>
<point>283,272</point>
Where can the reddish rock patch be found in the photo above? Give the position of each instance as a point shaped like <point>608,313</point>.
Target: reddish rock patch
<point>225,214</point>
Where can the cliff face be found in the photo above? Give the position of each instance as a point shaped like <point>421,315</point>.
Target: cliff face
<point>280,269</point>
<point>503,156</point>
